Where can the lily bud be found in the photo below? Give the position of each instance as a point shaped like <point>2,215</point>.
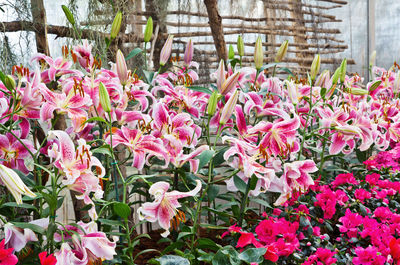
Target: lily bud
<point>14,184</point>
<point>104,98</point>
<point>372,58</point>
<point>148,31</point>
<point>373,85</point>
<point>116,25</point>
<point>348,130</point>
<point>396,84</point>
<point>258,54</point>
<point>323,79</point>
<point>316,64</point>
<point>220,75</point>
<point>229,83</point>
<point>212,103</point>
<point>292,92</point>
<point>9,82</point>
<point>229,107</point>
<point>358,91</point>
<point>282,51</point>
<point>240,46</point>
<point>343,68</point>
<point>122,70</point>
<point>231,53</point>
<point>68,14</point>
<point>166,50</point>
<point>336,76</point>
<point>187,58</point>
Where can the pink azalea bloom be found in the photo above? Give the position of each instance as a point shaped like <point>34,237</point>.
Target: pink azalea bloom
<point>6,255</point>
<point>47,260</point>
<point>165,205</point>
<point>142,146</point>
<point>368,256</point>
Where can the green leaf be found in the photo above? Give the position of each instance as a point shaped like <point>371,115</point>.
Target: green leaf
<point>95,119</point>
<point>133,53</point>
<point>149,75</point>
<point>23,205</point>
<point>122,209</point>
<point>200,89</point>
<point>206,243</point>
<point>219,157</point>
<point>105,150</point>
<point>110,222</point>
<point>184,234</point>
<point>212,192</point>
<point>252,255</point>
<point>262,202</point>
<point>34,228</point>
<point>253,182</point>
<point>232,254</point>
<point>220,259</point>
<point>205,157</point>
<point>240,184</point>
<point>267,66</point>
<point>287,70</point>
<point>173,260</point>
<point>323,92</point>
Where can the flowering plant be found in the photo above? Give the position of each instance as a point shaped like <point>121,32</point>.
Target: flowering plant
<point>156,149</point>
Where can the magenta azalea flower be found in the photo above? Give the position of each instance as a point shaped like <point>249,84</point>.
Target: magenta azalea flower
<point>165,205</point>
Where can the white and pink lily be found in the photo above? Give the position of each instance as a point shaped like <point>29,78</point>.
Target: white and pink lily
<point>164,207</point>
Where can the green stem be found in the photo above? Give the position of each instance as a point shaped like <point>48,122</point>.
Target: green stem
<point>244,203</point>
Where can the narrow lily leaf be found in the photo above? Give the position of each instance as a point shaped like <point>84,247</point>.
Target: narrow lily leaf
<point>133,53</point>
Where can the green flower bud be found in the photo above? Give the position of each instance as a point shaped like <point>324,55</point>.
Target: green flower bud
<point>258,54</point>
<point>343,67</point>
<point>336,76</point>
<point>148,31</point>
<point>212,103</point>
<point>240,45</point>
<point>231,53</point>
<point>316,64</point>
<point>9,82</point>
<point>116,25</point>
<point>358,91</point>
<point>68,14</point>
<point>282,51</point>
<point>104,98</point>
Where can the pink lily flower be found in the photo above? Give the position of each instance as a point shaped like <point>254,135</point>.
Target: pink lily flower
<point>165,205</point>
<point>296,177</point>
<point>17,238</point>
<point>263,107</point>
<point>246,157</point>
<point>84,55</point>
<point>142,146</point>
<point>176,130</point>
<point>13,152</point>
<point>279,138</point>
<point>77,166</point>
<point>68,256</point>
<point>57,67</point>
<point>72,103</point>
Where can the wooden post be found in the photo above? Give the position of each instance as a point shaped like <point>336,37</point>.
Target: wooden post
<point>39,16</point>
<point>298,26</point>
<point>215,22</point>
